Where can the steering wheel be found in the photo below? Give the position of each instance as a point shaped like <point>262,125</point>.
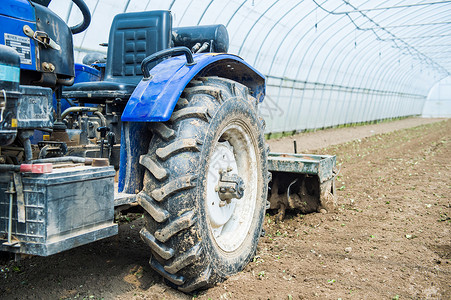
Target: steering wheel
<point>86,17</point>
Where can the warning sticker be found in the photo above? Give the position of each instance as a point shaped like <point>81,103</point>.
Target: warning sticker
<point>21,44</point>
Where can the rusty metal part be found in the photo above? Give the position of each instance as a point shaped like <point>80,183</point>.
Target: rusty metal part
<point>100,162</point>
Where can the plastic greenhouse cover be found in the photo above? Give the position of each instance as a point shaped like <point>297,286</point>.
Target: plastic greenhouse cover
<point>327,62</point>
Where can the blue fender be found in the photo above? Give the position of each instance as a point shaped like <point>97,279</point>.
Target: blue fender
<point>154,99</point>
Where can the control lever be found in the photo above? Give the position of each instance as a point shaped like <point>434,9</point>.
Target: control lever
<point>111,138</point>
<point>103,130</point>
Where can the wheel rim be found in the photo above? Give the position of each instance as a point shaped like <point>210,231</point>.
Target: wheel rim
<point>235,149</point>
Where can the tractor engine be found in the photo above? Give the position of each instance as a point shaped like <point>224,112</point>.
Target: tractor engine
<point>52,198</point>
<point>36,63</point>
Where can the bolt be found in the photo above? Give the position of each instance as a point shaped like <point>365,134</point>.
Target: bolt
<point>26,29</point>
<point>222,189</point>
<point>229,169</point>
<point>51,67</point>
<point>232,190</point>
<point>45,66</point>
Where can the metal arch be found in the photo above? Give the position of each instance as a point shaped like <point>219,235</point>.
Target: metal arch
<point>220,16</point>
<point>366,45</point>
<point>357,78</point>
<point>259,34</point>
<point>126,5</point>
<point>393,101</point>
<point>319,49</point>
<point>407,45</point>
<point>170,5</point>
<point>417,16</point>
<point>253,25</point>
<point>401,86</point>
<point>288,62</point>
<point>69,11</point>
<point>368,102</point>
<point>284,38</point>
<point>184,12</point>
<point>342,61</point>
<point>312,63</point>
<point>289,58</point>
<point>398,6</point>
<point>241,22</point>
<point>413,59</point>
<point>274,26</point>
<point>353,74</point>
<point>359,71</point>
<point>378,82</point>
<point>86,31</point>
<point>147,5</point>
<point>374,22</point>
<point>386,81</point>
<point>203,13</point>
<point>409,73</point>
<point>233,15</point>
<point>310,66</point>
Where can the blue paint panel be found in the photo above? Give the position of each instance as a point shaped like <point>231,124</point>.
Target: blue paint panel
<point>154,100</point>
<point>18,9</point>
<point>134,141</point>
<point>14,27</point>
<point>83,73</point>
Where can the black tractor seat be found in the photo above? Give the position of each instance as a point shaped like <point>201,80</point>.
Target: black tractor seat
<point>100,90</point>
<point>133,37</point>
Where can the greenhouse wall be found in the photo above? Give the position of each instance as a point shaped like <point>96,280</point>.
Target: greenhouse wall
<point>327,63</point>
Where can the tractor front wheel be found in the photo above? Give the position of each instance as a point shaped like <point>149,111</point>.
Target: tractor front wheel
<point>205,185</point>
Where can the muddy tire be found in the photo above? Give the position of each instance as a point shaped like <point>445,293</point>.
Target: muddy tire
<point>194,241</point>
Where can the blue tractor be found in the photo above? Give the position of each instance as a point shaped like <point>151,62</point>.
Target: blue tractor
<point>167,122</point>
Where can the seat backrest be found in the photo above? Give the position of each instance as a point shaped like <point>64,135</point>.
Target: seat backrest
<point>134,36</point>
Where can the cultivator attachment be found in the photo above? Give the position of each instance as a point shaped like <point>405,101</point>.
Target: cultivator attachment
<point>303,182</point>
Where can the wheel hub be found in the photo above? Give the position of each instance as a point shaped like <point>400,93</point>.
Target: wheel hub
<point>230,186</point>
<point>221,202</point>
<point>232,183</point>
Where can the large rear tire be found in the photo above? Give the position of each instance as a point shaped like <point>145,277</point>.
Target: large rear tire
<point>197,239</point>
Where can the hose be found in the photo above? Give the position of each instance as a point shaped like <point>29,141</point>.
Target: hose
<point>102,118</point>
<point>78,109</point>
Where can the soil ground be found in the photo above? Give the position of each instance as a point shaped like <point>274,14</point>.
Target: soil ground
<point>389,238</point>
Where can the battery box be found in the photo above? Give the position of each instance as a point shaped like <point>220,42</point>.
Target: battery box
<point>57,211</point>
